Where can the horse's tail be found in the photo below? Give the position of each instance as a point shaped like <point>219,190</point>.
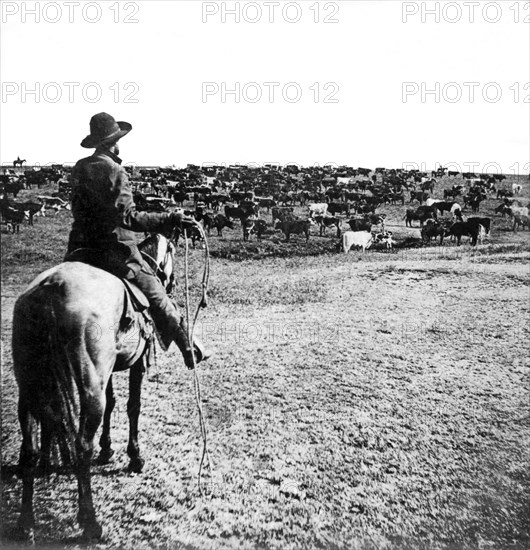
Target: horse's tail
<point>44,373</point>
<point>66,407</point>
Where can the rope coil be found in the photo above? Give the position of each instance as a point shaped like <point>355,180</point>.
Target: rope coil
<point>191,330</point>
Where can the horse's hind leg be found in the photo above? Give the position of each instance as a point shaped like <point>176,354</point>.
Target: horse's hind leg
<point>46,439</point>
<point>136,463</point>
<point>105,442</point>
<point>92,408</point>
<point>29,456</point>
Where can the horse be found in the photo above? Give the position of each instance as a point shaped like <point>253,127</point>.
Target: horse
<point>18,162</point>
<point>72,328</point>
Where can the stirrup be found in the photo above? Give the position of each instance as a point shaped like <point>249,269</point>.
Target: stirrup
<point>181,339</point>
<point>201,352</point>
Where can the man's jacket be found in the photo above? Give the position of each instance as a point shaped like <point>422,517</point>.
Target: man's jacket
<point>105,216</point>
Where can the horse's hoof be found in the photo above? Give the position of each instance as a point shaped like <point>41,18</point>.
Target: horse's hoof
<point>105,456</point>
<point>92,531</point>
<point>24,533</point>
<point>136,465</point>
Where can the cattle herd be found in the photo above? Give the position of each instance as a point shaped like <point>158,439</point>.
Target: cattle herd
<point>261,201</point>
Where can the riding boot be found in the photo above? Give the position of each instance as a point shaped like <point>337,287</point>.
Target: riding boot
<point>181,339</point>
<point>169,323</point>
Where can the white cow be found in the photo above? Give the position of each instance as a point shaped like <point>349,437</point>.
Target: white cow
<point>54,203</point>
<point>516,188</point>
<point>363,239</point>
<point>430,202</point>
<point>318,209</point>
<point>519,210</point>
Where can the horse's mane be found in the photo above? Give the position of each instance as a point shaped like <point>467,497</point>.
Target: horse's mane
<point>149,245</point>
<point>163,267</point>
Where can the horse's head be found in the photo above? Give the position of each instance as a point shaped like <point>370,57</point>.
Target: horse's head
<point>159,252</point>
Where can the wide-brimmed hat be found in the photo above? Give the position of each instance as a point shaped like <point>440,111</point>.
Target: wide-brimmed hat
<point>103,128</point>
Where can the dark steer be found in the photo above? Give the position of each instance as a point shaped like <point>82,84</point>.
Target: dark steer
<point>296,227</point>
<point>460,229</point>
<point>339,208</point>
<point>434,229</point>
<point>328,221</point>
<point>484,222</point>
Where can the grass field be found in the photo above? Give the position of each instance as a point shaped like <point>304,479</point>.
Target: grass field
<point>354,401</point>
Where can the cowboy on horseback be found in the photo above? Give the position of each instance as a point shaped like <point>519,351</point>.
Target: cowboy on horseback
<point>105,220</point>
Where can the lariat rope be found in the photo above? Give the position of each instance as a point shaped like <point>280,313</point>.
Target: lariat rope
<point>191,330</point>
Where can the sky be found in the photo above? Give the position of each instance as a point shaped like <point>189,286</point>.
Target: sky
<point>362,83</point>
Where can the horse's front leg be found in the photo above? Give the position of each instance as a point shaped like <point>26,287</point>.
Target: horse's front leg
<point>133,410</point>
<point>105,442</point>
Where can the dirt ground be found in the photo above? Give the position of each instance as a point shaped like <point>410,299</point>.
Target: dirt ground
<point>354,401</point>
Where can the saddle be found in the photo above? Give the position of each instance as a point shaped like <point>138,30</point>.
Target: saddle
<point>135,318</point>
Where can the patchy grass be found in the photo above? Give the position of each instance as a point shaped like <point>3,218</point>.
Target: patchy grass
<point>355,401</point>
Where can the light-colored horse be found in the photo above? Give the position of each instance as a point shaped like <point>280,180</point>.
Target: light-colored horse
<point>72,328</point>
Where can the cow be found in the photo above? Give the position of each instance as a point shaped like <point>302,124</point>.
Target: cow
<point>362,239</point>
<point>12,187</point>
<point>367,208</point>
<point>297,227</point>
<point>512,210</point>
<point>328,221</point>
<point>179,197</point>
<point>516,188</point>
<point>504,193</point>
<point>376,219</point>
<point>522,220</point>
<point>239,212</point>
<point>503,209</point>
<point>266,203</point>
<point>518,211</point>
<point>428,185</point>
<point>219,222</point>
<point>250,207</point>
<point>339,208</point>
<point>443,206</point>
<point>474,201</point>
<point>31,209</point>
<point>55,203</point>
<point>385,237</point>
<point>484,222</point>
<point>431,202</point>
<point>282,213</point>
<point>420,196</point>
<point>194,234</point>
<point>318,209</point>
<point>363,224</point>
<point>431,229</point>
<point>451,193</point>
<point>397,197</point>
<point>421,214</point>
<point>458,229</point>
<point>215,200</point>
<point>253,225</point>
<point>12,217</point>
